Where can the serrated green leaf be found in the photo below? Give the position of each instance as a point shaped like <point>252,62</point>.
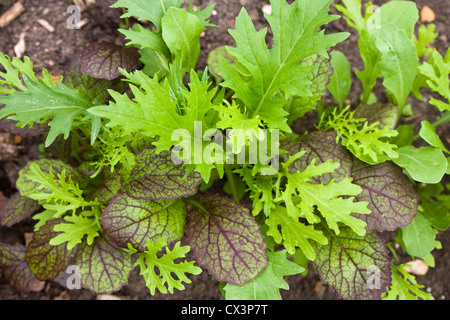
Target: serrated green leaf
<point>164,281</point>
<point>404,286</point>
<point>267,285</point>
<point>41,102</point>
<point>293,233</point>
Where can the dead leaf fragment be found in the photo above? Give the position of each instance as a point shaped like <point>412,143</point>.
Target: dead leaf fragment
<point>28,237</point>
<point>11,14</point>
<point>36,285</point>
<point>417,267</point>
<point>427,14</point>
<point>20,47</point>
<point>63,296</point>
<point>107,297</point>
<point>46,25</point>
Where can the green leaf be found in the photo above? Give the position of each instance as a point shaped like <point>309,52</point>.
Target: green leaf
<point>152,10</point>
<point>330,200</point>
<point>10,79</point>
<point>437,71</point>
<point>267,285</point>
<point>76,229</point>
<point>164,281</point>
<point>42,102</point>
<point>428,133</point>
<point>340,81</point>
<point>425,38</point>
<point>424,164</point>
<point>129,221</point>
<point>264,79</point>
<point>404,286</point>
<point>104,267</point>
<point>226,239</point>
<point>356,267</point>
<point>293,233</point>
<point>181,32</point>
<point>419,237</point>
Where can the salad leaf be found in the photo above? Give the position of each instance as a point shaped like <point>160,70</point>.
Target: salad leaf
<point>367,271</point>
<point>419,237</point>
<point>226,240</point>
<point>340,81</point>
<point>16,209</point>
<point>164,281</point>
<point>267,285</point>
<point>130,221</point>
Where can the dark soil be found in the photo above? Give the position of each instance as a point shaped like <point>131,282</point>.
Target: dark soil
<point>54,50</point>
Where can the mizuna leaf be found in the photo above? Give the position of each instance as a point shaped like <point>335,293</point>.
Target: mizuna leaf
<point>164,281</point>
<point>16,209</point>
<point>356,267</point>
<point>390,194</point>
<point>15,268</point>
<point>267,285</point>
<point>156,177</point>
<point>226,240</point>
<point>264,79</point>
<point>129,221</point>
<point>103,60</point>
<point>46,261</point>
<point>42,102</point>
<point>104,267</point>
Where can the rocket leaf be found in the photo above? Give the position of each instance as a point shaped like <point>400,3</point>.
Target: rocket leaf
<point>267,285</point>
<point>226,240</point>
<point>356,267</point>
<point>127,220</point>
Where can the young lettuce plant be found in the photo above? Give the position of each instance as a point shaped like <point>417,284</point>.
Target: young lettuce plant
<point>134,187</point>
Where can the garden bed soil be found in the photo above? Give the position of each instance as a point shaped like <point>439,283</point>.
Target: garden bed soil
<point>54,50</point>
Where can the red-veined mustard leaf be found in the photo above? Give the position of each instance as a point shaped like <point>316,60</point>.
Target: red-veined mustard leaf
<point>46,261</point>
<point>112,183</point>
<point>104,267</point>
<point>103,60</point>
<point>16,209</point>
<point>384,113</point>
<point>356,267</point>
<point>390,194</point>
<point>157,177</point>
<point>14,267</point>
<point>94,89</point>
<point>134,221</point>
<point>226,240</point>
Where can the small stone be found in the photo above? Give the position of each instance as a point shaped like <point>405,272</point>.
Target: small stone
<point>417,267</point>
<point>426,14</point>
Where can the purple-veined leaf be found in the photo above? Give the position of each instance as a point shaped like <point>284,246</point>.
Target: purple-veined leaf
<point>356,267</point>
<point>112,183</point>
<point>226,240</point>
<point>104,267</point>
<point>156,177</point>
<point>385,113</point>
<point>107,5</point>
<point>93,88</point>
<point>103,60</point>
<point>46,261</point>
<point>14,267</point>
<point>16,209</point>
<point>390,194</point>
<point>134,221</point>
